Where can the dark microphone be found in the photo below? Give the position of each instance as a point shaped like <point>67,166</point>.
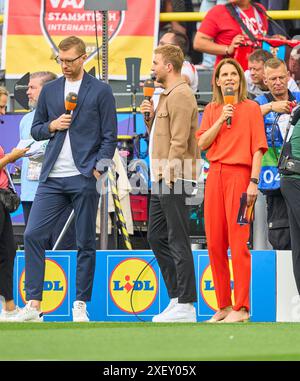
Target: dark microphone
<point>228,100</point>
<point>70,102</point>
<point>148,91</point>
<point>153,76</point>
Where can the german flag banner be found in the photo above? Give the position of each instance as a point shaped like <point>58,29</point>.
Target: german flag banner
<point>33,29</point>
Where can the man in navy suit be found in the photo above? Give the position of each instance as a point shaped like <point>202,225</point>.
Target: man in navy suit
<point>78,144</point>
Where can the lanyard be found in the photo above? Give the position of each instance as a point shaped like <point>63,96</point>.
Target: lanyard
<point>258,19</point>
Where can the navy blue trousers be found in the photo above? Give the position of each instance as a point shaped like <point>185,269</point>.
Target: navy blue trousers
<point>52,197</point>
<point>68,241</point>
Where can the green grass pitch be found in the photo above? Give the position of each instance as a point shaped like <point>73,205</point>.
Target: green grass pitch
<point>149,342</point>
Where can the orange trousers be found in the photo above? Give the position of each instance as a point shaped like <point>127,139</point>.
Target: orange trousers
<point>224,187</point>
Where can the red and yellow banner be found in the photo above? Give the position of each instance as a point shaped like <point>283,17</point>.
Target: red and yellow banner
<point>34,28</point>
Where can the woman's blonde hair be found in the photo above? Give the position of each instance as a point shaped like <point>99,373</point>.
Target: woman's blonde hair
<point>217,93</point>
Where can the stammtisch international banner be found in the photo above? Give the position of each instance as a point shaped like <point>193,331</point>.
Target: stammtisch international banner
<point>34,28</point>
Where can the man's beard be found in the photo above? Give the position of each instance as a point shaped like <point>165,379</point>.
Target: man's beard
<point>161,81</point>
<point>32,104</point>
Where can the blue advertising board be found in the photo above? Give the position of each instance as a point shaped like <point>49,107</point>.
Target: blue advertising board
<point>262,286</point>
<point>128,286</point>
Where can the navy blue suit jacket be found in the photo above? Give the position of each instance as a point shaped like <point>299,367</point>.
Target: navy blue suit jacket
<point>93,130</point>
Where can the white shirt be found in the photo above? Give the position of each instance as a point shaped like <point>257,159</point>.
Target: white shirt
<point>151,149</point>
<point>190,71</point>
<point>64,165</point>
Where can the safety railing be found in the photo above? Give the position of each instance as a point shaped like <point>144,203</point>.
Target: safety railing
<point>199,16</point>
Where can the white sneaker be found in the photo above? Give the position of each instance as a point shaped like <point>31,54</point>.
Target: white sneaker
<point>29,313</point>
<point>8,316</point>
<point>180,313</point>
<point>172,303</point>
<point>79,312</point>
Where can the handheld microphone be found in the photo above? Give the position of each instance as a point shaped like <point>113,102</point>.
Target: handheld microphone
<point>228,100</point>
<point>70,102</point>
<point>148,91</point>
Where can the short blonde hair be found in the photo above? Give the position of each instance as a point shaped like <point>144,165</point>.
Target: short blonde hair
<point>274,63</point>
<point>71,42</point>
<point>217,93</point>
<point>171,54</point>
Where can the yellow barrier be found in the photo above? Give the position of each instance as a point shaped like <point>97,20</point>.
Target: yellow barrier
<point>198,16</point>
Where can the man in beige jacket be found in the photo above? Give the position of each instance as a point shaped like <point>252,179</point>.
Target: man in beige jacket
<point>173,152</point>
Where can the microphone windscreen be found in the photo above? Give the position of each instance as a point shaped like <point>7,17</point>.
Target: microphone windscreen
<point>148,88</point>
<point>228,95</point>
<point>71,101</point>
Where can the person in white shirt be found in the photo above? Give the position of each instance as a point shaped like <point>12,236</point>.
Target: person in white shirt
<point>188,71</point>
<point>31,166</point>
<point>77,113</point>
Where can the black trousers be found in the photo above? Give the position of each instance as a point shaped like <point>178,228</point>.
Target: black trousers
<point>7,254</point>
<point>290,189</point>
<point>278,221</point>
<point>168,236</point>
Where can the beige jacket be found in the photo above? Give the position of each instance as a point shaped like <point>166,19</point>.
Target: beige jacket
<point>175,147</point>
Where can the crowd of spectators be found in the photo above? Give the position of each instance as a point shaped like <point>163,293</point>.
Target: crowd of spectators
<point>206,61</point>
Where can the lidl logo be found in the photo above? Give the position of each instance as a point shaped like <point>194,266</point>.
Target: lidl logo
<point>133,285</point>
<point>55,286</point>
<point>208,290</point>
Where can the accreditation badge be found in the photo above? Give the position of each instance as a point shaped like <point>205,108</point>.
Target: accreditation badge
<point>34,169</point>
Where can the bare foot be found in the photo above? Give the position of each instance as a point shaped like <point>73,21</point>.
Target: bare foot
<point>236,316</point>
<point>220,315</point>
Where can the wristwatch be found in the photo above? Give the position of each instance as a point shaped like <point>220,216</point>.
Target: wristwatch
<point>254,180</point>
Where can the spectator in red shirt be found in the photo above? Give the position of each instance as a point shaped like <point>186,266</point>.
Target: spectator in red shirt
<point>221,34</point>
<point>208,60</point>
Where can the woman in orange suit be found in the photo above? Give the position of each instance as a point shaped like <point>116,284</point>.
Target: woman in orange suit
<point>233,135</point>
